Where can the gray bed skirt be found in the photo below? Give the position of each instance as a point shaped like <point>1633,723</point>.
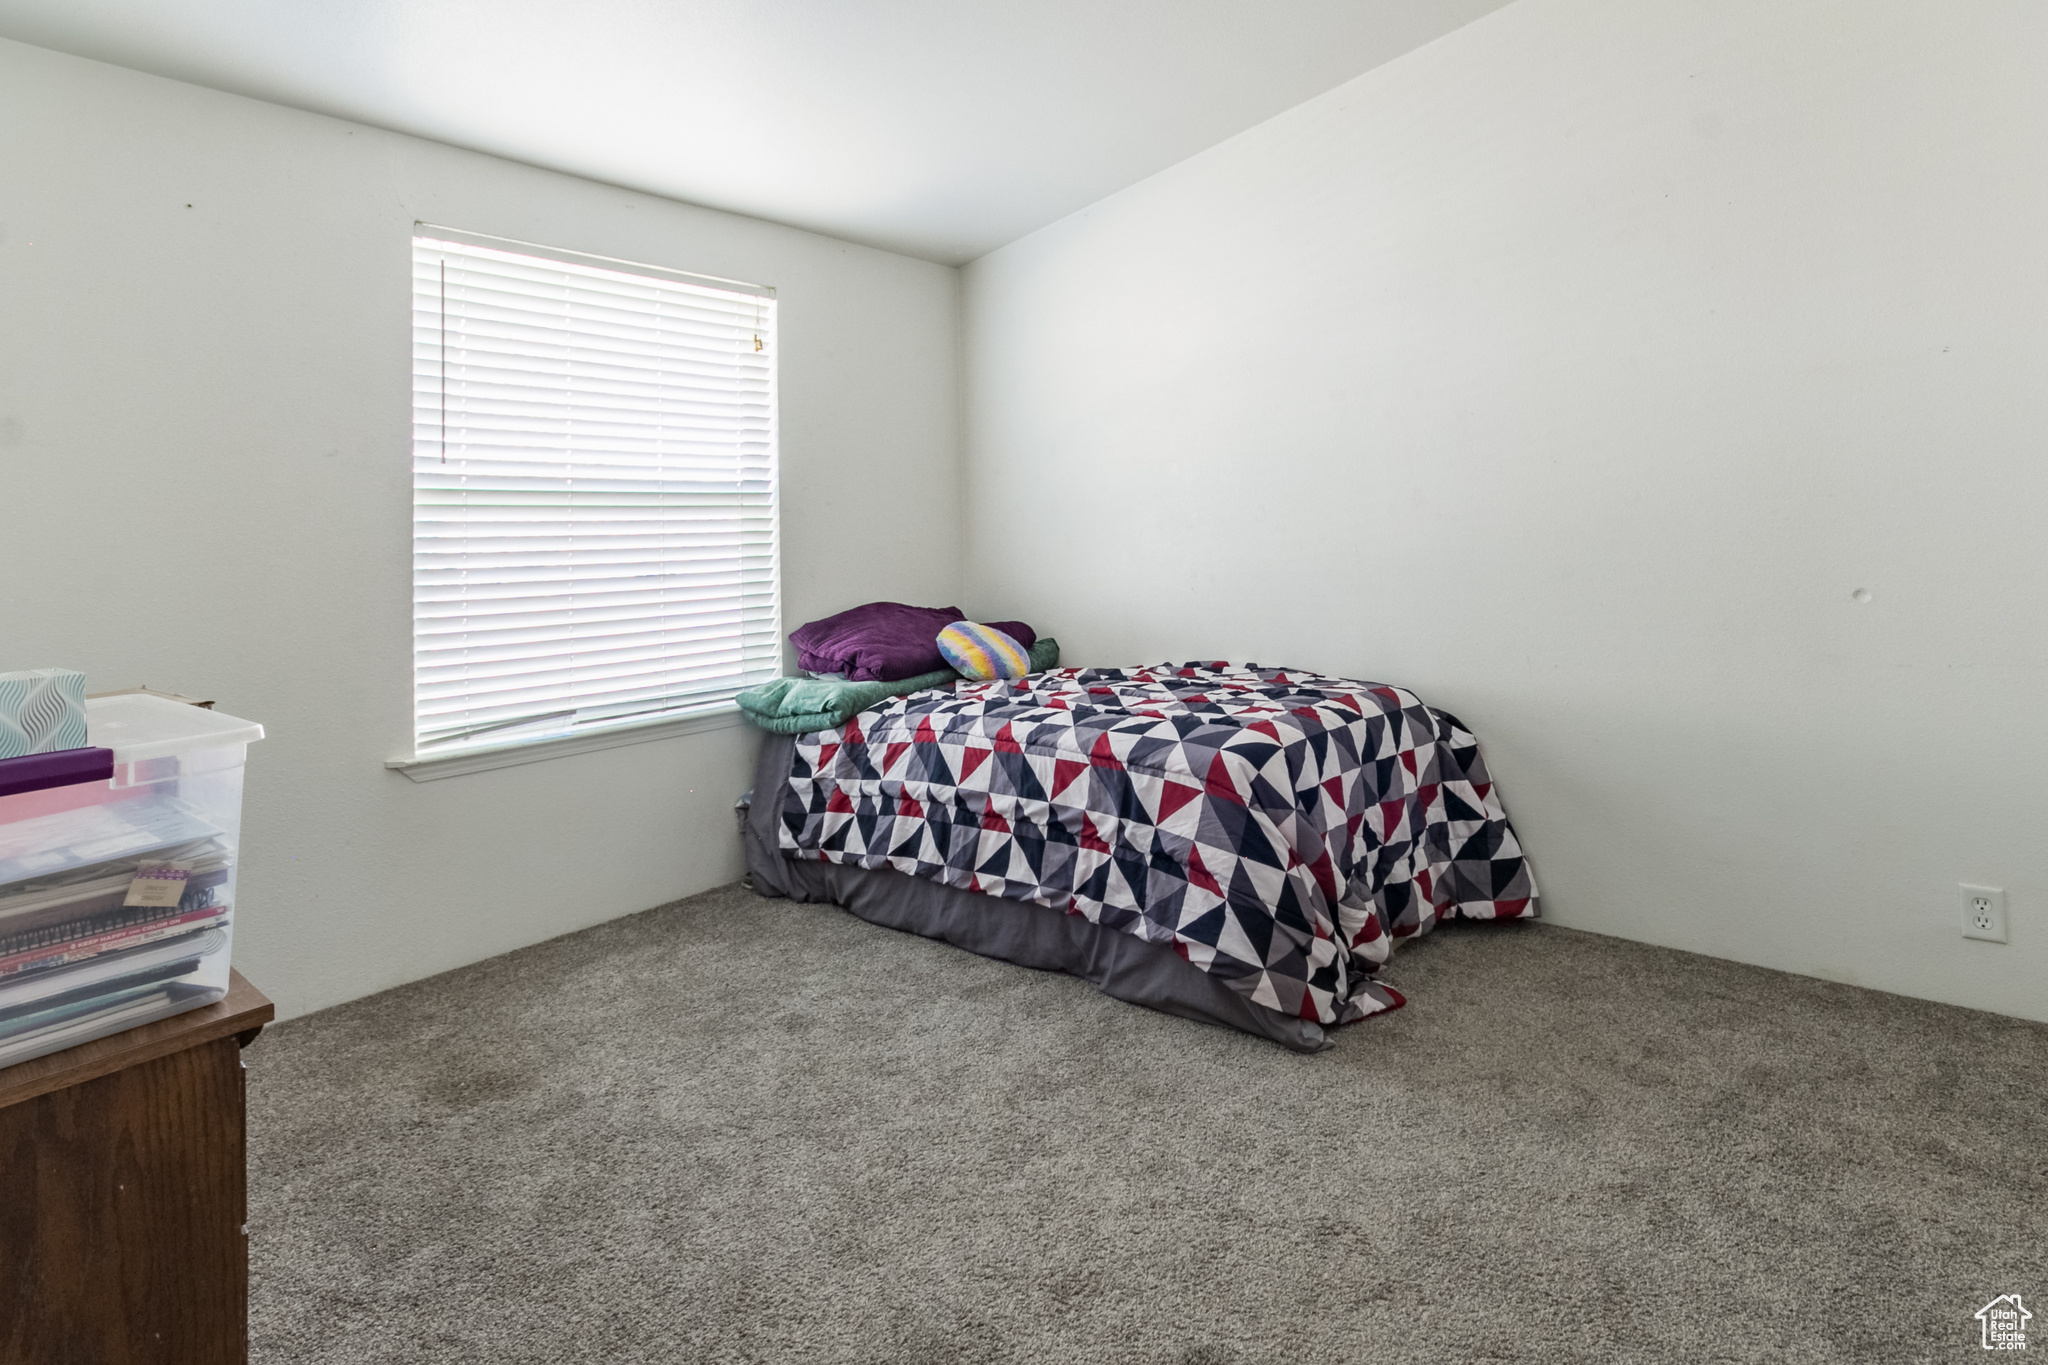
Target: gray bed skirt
<point>1030,935</point>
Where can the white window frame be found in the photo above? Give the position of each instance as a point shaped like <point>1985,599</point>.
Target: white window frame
<point>612,723</point>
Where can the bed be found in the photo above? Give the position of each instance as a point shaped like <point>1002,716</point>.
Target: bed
<point>1235,844</point>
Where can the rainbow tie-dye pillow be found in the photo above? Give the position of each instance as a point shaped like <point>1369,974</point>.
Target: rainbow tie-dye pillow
<point>983,653</point>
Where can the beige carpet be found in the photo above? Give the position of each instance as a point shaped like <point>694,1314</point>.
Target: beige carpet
<point>735,1130</point>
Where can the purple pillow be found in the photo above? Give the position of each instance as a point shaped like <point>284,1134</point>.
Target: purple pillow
<point>884,641</point>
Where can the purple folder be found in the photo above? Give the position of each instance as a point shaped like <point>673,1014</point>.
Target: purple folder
<point>60,768</point>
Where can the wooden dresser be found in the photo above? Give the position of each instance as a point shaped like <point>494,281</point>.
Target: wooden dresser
<point>123,1205</point>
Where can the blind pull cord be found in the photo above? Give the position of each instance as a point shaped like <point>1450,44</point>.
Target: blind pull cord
<point>443,348</point>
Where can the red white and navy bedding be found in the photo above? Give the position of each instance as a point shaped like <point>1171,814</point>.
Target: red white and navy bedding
<point>1279,829</point>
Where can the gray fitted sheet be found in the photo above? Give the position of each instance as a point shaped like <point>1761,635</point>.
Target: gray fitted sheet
<point>1030,935</point>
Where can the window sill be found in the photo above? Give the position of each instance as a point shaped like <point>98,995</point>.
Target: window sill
<point>434,767</point>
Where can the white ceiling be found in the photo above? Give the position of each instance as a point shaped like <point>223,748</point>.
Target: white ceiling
<point>939,128</point>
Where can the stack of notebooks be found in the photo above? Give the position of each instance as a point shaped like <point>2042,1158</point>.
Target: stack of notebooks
<point>81,953</point>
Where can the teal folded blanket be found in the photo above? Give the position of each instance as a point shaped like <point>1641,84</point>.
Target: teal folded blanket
<point>797,706</point>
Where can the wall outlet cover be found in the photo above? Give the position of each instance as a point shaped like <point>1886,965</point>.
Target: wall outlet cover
<point>1984,913</point>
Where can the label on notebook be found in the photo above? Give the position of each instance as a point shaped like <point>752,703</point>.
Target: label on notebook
<point>158,884</point>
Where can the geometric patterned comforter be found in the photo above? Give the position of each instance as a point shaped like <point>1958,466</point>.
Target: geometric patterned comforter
<point>1282,831</point>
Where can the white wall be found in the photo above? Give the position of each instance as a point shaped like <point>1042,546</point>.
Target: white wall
<point>1574,370</point>
<point>204,470</point>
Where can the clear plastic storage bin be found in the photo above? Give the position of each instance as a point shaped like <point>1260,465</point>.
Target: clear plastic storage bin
<point>117,896</point>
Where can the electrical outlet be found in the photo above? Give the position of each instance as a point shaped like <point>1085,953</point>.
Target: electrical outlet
<point>1984,913</point>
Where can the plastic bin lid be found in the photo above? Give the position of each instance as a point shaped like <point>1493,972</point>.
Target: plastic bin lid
<point>139,726</point>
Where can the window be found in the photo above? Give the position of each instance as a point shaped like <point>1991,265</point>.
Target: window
<point>594,505</point>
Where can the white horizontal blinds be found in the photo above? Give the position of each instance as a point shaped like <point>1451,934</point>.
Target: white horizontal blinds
<point>593,493</point>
